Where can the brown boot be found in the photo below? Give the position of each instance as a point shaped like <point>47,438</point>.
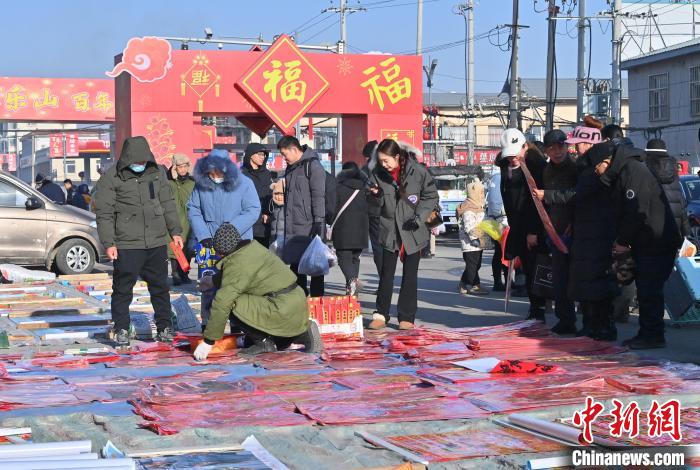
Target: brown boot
<point>378,322</point>
<point>406,325</point>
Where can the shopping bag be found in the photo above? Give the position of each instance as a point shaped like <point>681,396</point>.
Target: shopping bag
<point>316,259</point>
<point>492,228</point>
<point>543,280</point>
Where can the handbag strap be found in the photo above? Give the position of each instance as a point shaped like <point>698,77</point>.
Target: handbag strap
<point>345,206</point>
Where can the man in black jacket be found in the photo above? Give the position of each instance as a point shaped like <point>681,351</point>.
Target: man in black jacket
<point>526,230</point>
<point>255,168</point>
<point>560,174</point>
<point>50,189</point>
<point>646,231</point>
<point>665,168</point>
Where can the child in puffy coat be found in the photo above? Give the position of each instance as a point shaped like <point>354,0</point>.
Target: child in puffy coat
<point>277,217</point>
<point>470,214</point>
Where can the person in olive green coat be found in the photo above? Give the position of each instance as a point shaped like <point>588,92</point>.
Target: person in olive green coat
<point>136,218</point>
<point>182,185</point>
<point>258,293</point>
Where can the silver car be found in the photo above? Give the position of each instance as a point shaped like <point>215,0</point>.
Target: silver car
<point>37,232</point>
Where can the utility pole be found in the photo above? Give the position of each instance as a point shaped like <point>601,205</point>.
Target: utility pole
<point>616,91</point>
<point>551,38</point>
<point>429,71</point>
<point>467,11</point>
<point>581,70</point>
<point>343,10</point>
<point>514,103</point>
<point>419,30</point>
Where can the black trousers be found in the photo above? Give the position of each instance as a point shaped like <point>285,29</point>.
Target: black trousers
<point>408,295</point>
<point>499,271</point>
<point>152,265</point>
<point>529,264</point>
<point>317,283</point>
<point>597,313</point>
<point>264,241</point>
<point>349,262</point>
<point>564,309</point>
<point>652,273</point>
<point>377,250</point>
<point>472,264</point>
<point>253,335</point>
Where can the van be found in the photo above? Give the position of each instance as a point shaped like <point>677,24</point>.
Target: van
<point>35,231</point>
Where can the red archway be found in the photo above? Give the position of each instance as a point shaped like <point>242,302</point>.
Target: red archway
<point>165,92</point>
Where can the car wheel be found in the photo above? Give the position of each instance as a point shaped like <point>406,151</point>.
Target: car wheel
<point>75,256</point>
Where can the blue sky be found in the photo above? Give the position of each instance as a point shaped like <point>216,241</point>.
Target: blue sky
<point>79,38</point>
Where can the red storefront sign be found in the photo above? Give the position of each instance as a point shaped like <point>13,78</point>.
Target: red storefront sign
<point>72,145</point>
<point>8,161</point>
<point>481,156</point>
<point>56,146</point>
<point>284,84</point>
<point>56,99</point>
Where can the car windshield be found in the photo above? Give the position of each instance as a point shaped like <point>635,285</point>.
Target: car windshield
<point>693,189</point>
<point>451,184</point>
<point>450,205</point>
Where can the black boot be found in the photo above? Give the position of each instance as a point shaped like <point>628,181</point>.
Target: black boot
<point>175,270</point>
<point>311,339</point>
<point>264,345</point>
<point>607,330</point>
<point>589,322</point>
<point>536,313</point>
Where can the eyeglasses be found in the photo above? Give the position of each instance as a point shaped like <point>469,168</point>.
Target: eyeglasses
<point>278,194</point>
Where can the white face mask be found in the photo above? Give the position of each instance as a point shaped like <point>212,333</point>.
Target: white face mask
<point>217,180</point>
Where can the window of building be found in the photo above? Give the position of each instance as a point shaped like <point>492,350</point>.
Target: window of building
<point>658,97</point>
<point>495,133</point>
<point>70,166</point>
<point>10,196</point>
<point>695,90</point>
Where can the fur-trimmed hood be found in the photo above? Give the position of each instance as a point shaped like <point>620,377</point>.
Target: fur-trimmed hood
<point>216,160</point>
<point>412,151</point>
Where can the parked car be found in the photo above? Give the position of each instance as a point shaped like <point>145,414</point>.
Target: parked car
<point>691,190</point>
<point>38,232</point>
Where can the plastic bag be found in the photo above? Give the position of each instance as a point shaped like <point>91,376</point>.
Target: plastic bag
<point>316,259</point>
<point>17,274</point>
<point>277,246</point>
<point>687,249</point>
<point>492,228</point>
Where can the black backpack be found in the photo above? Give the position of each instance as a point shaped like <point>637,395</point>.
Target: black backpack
<point>331,195</point>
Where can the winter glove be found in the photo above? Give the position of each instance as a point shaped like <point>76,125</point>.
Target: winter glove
<point>202,351</point>
<point>411,225</point>
<point>207,243</point>
<point>624,267</point>
<point>318,229</point>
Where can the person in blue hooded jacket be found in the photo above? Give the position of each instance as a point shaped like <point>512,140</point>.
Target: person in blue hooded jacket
<point>221,194</point>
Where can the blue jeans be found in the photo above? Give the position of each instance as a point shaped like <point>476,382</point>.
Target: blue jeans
<point>652,273</point>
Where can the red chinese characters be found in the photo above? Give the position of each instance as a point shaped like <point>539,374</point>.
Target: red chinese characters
<point>586,418</point>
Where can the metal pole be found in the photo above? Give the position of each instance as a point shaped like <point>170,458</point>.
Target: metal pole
<point>64,155</point>
<point>514,103</point>
<point>551,37</point>
<point>615,95</point>
<point>343,31</point>
<point>581,71</point>
<point>343,40</point>
<point>33,158</point>
<point>419,30</point>
<point>471,137</point>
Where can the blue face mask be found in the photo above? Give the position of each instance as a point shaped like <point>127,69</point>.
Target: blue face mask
<point>136,168</point>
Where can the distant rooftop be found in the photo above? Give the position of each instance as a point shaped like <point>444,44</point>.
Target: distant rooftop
<point>566,90</point>
<point>670,52</point>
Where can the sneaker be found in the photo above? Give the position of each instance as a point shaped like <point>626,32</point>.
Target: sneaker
<point>463,289</point>
<point>165,335</point>
<point>564,328</point>
<point>639,342</point>
<point>477,290</point>
<point>352,287</point>
<point>406,325</point>
<point>121,337</point>
<point>264,346</point>
<point>311,339</point>
<point>378,322</point>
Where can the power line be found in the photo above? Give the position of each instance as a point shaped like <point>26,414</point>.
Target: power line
<point>322,31</point>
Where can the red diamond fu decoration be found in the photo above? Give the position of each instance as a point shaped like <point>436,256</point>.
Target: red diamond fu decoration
<point>283,84</point>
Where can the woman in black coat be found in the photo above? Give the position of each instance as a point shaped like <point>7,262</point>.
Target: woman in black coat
<point>351,225</point>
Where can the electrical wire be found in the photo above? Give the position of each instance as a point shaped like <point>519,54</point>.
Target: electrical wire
<point>326,18</point>
<point>305,23</point>
<point>401,5</point>
<point>322,31</point>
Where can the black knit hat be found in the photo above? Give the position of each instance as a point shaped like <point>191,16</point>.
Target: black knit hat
<point>226,239</point>
<point>368,149</point>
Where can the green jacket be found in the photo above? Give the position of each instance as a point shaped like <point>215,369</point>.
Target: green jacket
<point>135,211</point>
<point>182,190</point>
<point>248,275</point>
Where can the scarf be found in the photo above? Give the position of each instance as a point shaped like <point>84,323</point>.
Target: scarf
<point>475,199</point>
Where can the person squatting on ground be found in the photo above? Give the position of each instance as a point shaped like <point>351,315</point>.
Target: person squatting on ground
<point>182,184</point>
<point>351,225</point>
<point>221,194</point>
<point>560,174</point>
<point>470,214</point>
<point>259,295</point>
<point>647,234</point>
<point>495,211</point>
<point>255,168</point>
<point>407,196</point>
<point>526,237</point>
<point>136,217</point>
<point>304,206</point>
